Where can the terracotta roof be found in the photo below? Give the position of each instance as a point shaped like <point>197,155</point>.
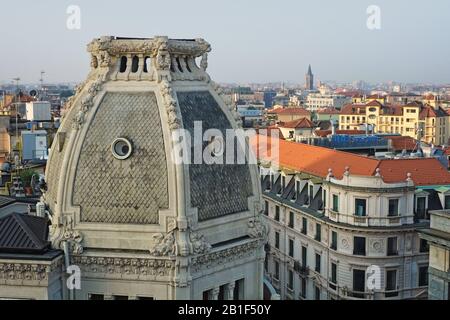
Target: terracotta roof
<point>328,111</point>
<point>326,133</point>
<point>353,108</point>
<point>400,143</point>
<point>297,124</point>
<point>429,111</point>
<point>291,111</point>
<point>375,96</point>
<point>424,171</point>
<point>374,103</point>
<point>269,131</point>
<point>317,160</point>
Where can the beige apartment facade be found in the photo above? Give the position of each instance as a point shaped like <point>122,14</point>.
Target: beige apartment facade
<point>419,121</point>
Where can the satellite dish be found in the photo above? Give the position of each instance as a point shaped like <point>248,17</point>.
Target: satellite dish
<point>33,93</point>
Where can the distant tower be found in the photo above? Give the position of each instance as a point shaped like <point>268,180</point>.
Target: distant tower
<point>309,79</point>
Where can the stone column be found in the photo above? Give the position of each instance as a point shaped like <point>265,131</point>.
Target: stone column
<point>231,286</point>
<point>215,293</point>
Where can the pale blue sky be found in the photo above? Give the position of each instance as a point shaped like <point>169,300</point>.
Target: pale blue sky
<point>252,40</point>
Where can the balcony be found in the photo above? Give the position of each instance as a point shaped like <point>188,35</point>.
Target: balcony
<point>302,270</point>
<point>360,219</point>
<point>333,215</point>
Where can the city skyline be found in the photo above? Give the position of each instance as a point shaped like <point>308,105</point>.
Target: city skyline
<point>285,38</point>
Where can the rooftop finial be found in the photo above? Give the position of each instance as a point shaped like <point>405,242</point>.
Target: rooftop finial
<point>347,171</point>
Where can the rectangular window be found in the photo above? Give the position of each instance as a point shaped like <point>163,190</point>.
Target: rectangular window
<point>316,292</point>
<point>424,246</point>
<point>393,207</point>
<point>207,295</point>
<point>291,219</point>
<point>360,207</point>
<point>277,213</point>
<point>277,270</point>
<point>447,202</point>
<point>359,246</point>
<point>317,263</point>
<point>277,240</point>
<point>333,240</point>
<point>423,276</point>
<point>333,276</point>
<point>391,283</point>
<point>238,293</point>
<point>290,279</point>
<point>297,189</point>
<point>291,248</point>
<point>311,194</point>
<point>120,297</point>
<point>303,282</point>
<point>359,285</point>
<point>304,256</point>
<point>335,203</point>
<point>304,226</point>
<point>96,297</point>
<point>421,208</point>
<point>266,208</point>
<point>392,246</point>
<point>318,236</point>
<point>222,291</point>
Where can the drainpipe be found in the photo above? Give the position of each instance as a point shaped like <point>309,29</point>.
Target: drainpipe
<point>67,264</point>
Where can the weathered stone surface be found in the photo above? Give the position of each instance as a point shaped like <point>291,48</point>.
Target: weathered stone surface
<point>219,189</point>
<point>130,191</point>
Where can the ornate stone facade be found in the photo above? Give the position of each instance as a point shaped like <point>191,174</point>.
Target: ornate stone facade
<point>122,208</point>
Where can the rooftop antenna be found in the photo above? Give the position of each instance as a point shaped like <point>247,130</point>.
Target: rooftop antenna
<point>16,104</point>
<point>41,80</point>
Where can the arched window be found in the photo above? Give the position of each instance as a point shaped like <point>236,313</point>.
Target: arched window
<point>147,64</point>
<point>135,64</point>
<point>123,64</point>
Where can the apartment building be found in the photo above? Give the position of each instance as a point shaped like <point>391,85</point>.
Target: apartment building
<point>416,119</point>
<point>316,101</point>
<point>344,226</point>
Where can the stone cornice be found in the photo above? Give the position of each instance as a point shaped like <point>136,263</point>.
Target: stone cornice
<point>117,46</point>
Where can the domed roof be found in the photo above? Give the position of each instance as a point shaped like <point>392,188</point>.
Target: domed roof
<point>112,160</point>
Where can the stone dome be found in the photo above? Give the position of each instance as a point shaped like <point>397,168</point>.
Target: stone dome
<point>111,164</point>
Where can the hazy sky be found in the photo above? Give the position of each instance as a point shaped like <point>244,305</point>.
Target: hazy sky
<point>252,40</point>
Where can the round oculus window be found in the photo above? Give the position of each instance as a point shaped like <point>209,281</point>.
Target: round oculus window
<point>121,148</point>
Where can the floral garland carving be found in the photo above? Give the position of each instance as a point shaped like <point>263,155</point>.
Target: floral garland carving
<point>170,104</point>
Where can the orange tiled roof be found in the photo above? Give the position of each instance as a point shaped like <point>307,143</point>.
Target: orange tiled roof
<point>325,133</point>
<point>317,160</point>
<point>297,124</point>
<point>400,143</point>
<point>291,111</point>
<point>328,111</point>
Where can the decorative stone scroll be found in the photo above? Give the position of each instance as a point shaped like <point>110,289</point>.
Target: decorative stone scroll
<point>171,105</point>
<point>67,234</point>
<point>86,103</point>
